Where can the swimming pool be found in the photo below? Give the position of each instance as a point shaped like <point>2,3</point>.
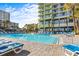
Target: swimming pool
<point>40,38</point>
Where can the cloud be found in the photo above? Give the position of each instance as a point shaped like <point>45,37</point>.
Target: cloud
<point>25,15</point>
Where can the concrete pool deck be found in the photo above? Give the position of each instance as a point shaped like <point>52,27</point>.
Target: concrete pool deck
<point>39,49</point>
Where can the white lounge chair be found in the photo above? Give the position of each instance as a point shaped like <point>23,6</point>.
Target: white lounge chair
<point>2,41</point>
<point>71,50</point>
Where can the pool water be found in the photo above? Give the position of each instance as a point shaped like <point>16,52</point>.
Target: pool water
<point>41,38</point>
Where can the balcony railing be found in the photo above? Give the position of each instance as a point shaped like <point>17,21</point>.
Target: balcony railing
<point>46,25</point>
<point>57,17</point>
<point>63,24</point>
<point>41,6</point>
<point>47,18</point>
<point>41,26</point>
<point>41,10</point>
<point>48,12</point>
<point>47,4</point>
<point>71,24</point>
<point>41,19</point>
<point>41,15</point>
<point>56,25</point>
<point>51,25</point>
<point>48,8</point>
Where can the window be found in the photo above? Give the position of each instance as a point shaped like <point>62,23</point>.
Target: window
<point>47,11</point>
<point>47,16</point>
<point>54,10</point>
<point>41,22</point>
<point>54,15</point>
<point>63,13</point>
<point>51,22</point>
<point>70,20</point>
<point>56,21</point>
<point>61,9</point>
<point>62,4</point>
<point>55,6</point>
<point>70,11</point>
<point>42,13</point>
<point>62,21</point>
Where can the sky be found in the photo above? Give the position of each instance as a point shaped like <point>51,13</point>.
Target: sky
<point>22,13</point>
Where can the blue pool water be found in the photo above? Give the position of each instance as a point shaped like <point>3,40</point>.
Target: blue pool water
<point>41,38</point>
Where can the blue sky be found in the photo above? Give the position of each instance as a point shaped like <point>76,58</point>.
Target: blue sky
<point>22,13</point>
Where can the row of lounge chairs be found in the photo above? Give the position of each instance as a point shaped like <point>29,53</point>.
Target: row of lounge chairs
<point>8,46</point>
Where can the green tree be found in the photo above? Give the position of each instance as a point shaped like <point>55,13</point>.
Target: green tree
<point>74,7</point>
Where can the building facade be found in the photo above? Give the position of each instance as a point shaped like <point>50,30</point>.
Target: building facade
<point>4,15</point>
<point>12,27</point>
<point>54,19</point>
<point>5,23</point>
<point>4,18</point>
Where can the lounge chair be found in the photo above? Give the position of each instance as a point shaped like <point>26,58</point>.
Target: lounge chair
<point>2,41</point>
<point>71,50</point>
<point>12,46</point>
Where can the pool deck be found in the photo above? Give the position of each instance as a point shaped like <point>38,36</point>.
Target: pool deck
<point>39,49</point>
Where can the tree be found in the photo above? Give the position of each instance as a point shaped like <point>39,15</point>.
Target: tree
<point>6,22</point>
<point>31,28</point>
<point>75,13</point>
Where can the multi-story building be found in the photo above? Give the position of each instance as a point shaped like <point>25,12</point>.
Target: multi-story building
<point>6,24</point>
<point>11,26</point>
<point>54,19</point>
<point>4,18</point>
<point>4,15</point>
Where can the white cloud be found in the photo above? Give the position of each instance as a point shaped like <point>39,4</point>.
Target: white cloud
<point>24,15</point>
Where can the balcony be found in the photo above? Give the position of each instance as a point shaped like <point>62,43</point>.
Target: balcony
<point>41,26</point>
<point>48,8</point>
<point>47,18</point>
<point>41,15</point>
<point>63,25</point>
<point>48,13</point>
<point>41,10</point>
<point>57,7</point>
<point>54,8</point>
<point>62,16</point>
<point>41,19</point>
<point>51,25</point>
<point>71,24</point>
<point>54,12</point>
<point>47,4</point>
<point>46,25</point>
<point>56,25</point>
<point>41,6</point>
<point>59,12</point>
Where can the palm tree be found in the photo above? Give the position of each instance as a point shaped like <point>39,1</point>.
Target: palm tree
<point>6,22</point>
<point>74,8</point>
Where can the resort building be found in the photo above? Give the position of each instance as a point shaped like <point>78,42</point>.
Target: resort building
<point>54,19</point>
<point>12,27</point>
<point>4,18</point>
<point>4,15</point>
<point>5,24</point>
